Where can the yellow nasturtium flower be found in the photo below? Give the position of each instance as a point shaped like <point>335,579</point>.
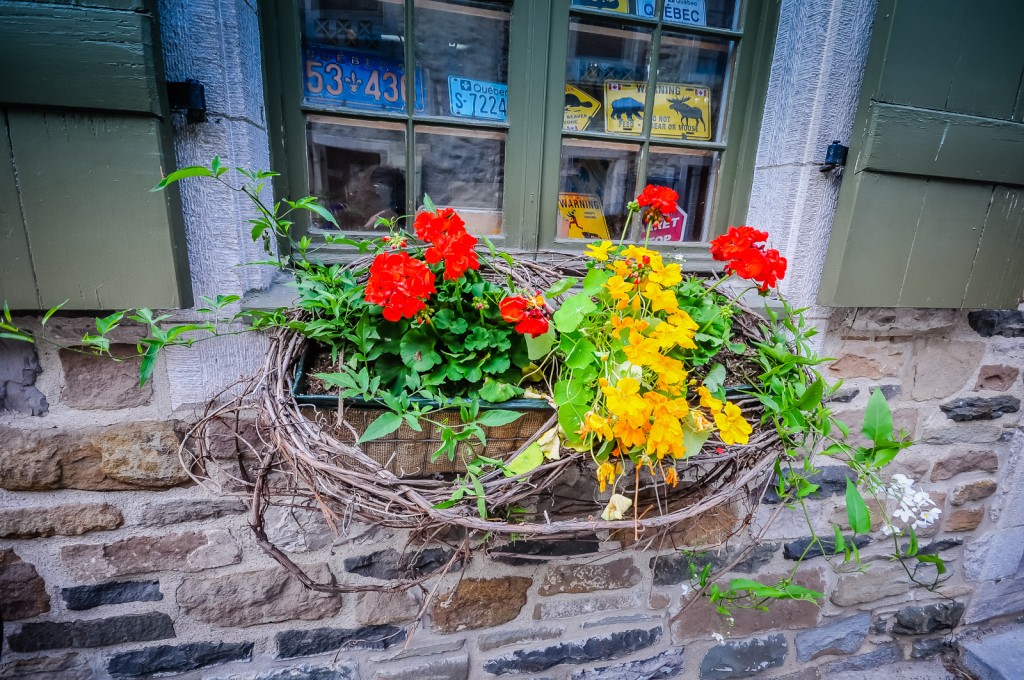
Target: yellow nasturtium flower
<point>618,287</point>
<point>599,251</point>
<point>708,401</point>
<point>667,276</point>
<point>606,473</point>
<point>666,437</point>
<point>731,426</point>
<point>661,300</point>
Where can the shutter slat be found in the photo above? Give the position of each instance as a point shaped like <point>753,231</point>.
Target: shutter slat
<point>17,280</point>
<point>998,273</point>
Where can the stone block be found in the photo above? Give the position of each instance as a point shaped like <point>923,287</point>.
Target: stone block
<point>990,322</point>
<point>904,419</point>
<point>292,643</point>
<point>250,598</point>
<point>441,668</point>
<point>831,481</point>
<point>929,647</point>
<point>667,664</point>
<point>390,565</point>
<point>450,646</point>
<point>929,618</point>
<point>994,599</point>
<point>838,637</point>
<point>998,378</point>
<point>79,598</point>
<point>340,670</point>
<point>678,567</point>
<point>46,635</point>
<point>867,360</point>
<point>601,648</point>
<point>504,638</point>
<point>879,581</point>
<point>996,657</point>
<point>297,530</point>
<point>189,510</point>
<point>965,461</point>
<point>743,659</point>
<point>871,661</point>
<point>807,548</point>
<point>187,551</point>
<point>60,520</point>
<point>624,619</point>
<point>973,491</point>
<point>942,367</point>
<point>980,408</point>
<point>382,608</point>
<point>580,606</point>
<point>964,519</point>
<point>940,431</point>
<point>587,578</point>
<point>24,591</point>
<point>176,659</point>
<point>480,603</point>
<point>67,667</point>
<point>531,553</point>
<point>19,368</point>
<point>996,554</point>
<point>894,321</point>
<point>94,382</point>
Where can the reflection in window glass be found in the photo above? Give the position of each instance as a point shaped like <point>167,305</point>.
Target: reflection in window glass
<point>714,13</point>
<point>596,182</point>
<point>462,48</point>
<point>353,55</point>
<point>357,170</point>
<point>465,170</point>
<point>689,173</point>
<point>691,83</point>
<point>605,71</point>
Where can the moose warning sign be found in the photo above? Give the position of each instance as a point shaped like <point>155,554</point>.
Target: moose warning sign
<point>580,109</point>
<point>680,111</point>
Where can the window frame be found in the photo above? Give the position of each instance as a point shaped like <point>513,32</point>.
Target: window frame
<point>535,115</point>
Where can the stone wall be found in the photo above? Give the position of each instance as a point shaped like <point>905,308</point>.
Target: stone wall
<point>113,564</point>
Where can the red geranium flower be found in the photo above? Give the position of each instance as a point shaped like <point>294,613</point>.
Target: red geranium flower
<point>430,225</point>
<point>529,316</point>
<point>735,241</point>
<point>513,309</point>
<point>456,248</point>
<point>533,325</point>
<point>748,258</point>
<point>659,199</point>
<point>400,283</point>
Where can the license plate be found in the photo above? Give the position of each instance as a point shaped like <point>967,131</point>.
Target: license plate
<point>477,98</point>
<point>357,81</point>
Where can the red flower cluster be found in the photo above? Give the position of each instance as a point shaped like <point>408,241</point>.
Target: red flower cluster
<point>660,201</point>
<point>446,231</point>
<point>528,315</point>
<point>744,249</point>
<point>400,283</point>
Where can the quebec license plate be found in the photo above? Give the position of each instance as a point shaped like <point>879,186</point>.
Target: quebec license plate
<point>477,98</point>
<point>356,81</point>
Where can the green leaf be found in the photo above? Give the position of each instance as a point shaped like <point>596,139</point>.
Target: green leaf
<point>568,317</point>
<point>481,497</point>
<point>322,212</point>
<point>498,417</point>
<point>538,347</point>
<point>582,354</point>
<point>912,550</point>
<point>528,460</point>
<point>17,336</point>
<point>715,378</point>
<point>495,391</point>
<point>877,418</point>
<point>856,509</point>
<point>191,171</point>
<point>840,541</point>
<point>417,351</point>
<point>148,363</point>
<point>595,280</point>
<point>382,427</point>
<point>7,312</point>
<point>812,396</point>
<point>428,204</point>
<point>51,312</point>
<point>940,565</point>
<point>560,286</point>
<point>884,456</point>
<point>694,441</point>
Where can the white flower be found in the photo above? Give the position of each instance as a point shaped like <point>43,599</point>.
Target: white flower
<point>718,637</point>
<point>904,514</point>
<point>902,480</point>
<point>685,588</point>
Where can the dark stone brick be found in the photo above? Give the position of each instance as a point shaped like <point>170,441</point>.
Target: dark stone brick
<point>935,547</point>
<point>794,549</point>
<point>390,565</point>
<point>294,643</point>
<point>668,664</point>
<point>838,637</point>
<point>843,396</point>
<point>34,637</point>
<point>743,659</point>
<point>538,551</point>
<point>980,408</point>
<point>348,671</point>
<point>890,391</point>
<point>929,647</point>
<point>676,568</point>
<point>19,368</point>
<point>880,625</point>
<point>929,618</point>
<point>603,648</point>
<point>177,659</point>
<point>23,589</point>
<point>115,592</point>
<point>866,662</point>
<point>989,322</point>
<point>831,481</point>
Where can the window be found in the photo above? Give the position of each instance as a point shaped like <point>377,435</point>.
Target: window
<point>538,121</point>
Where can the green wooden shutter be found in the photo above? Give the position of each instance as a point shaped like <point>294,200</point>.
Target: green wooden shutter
<point>931,211</point>
<point>84,135</point>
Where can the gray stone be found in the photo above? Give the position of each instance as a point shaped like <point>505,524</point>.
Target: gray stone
<point>966,461</point>
<point>189,510</point>
<point>975,432</point>
<point>994,554</point>
<point>101,382</point>
<point>442,668</point>
<point>24,591</point>
<point>996,599</point>
<point>667,664</point>
<point>250,598</point>
<point>390,565</point>
<point>504,638</point>
<point>996,378</point>
<point>840,637</point>
<point>930,618</point>
<point>929,647</point>
<point>980,408</point>
<point>831,481</point>
<point>895,321</point>
<point>298,530</point>
<point>680,567</point>
<point>629,619</point>
<point>879,581</point>
<point>807,548</point>
<point>943,367</point>
<point>344,670</point>
<point>890,391</point>
<point>743,659</point>
<point>79,598</point>
<point>973,491</point>
<point>176,659</point>
<point>843,395</point>
<point>67,667</point>
<point>990,322</point>
<point>879,658</point>
<point>36,637</point>
<point>530,553</point>
<point>420,653</point>
<point>187,551</point>
<point>292,643</point>
<point>381,608</point>
<point>59,520</point>
<point>907,670</point>
<point>586,578</point>
<point>584,605</point>
<point>996,657</point>
<point>480,603</point>
<point>19,368</point>
<point>603,648</point>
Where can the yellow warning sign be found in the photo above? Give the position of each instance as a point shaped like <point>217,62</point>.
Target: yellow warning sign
<point>580,109</point>
<point>581,216</point>
<point>620,6</point>
<point>680,111</point>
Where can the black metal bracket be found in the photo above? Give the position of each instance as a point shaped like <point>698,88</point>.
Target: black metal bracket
<point>189,96</point>
<point>835,156</point>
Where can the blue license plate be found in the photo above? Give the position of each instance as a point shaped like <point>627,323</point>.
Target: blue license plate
<point>356,81</point>
<point>477,98</point>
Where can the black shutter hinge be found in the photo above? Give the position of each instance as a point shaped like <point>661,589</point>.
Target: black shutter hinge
<point>189,96</point>
<point>835,156</point>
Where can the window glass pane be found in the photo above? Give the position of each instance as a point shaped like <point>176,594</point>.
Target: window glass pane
<point>465,170</point>
<point>606,70</point>
<point>692,75</point>
<point>714,13</point>
<point>462,50</point>
<point>357,170</point>
<point>596,182</point>
<point>353,55</point>
<point>690,173</point>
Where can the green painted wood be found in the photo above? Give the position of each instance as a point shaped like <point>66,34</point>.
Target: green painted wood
<point>77,58</point>
<point>99,237</point>
<point>987,77</point>
<point>17,279</point>
<point>1001,274</point>
<point>916,141</point>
